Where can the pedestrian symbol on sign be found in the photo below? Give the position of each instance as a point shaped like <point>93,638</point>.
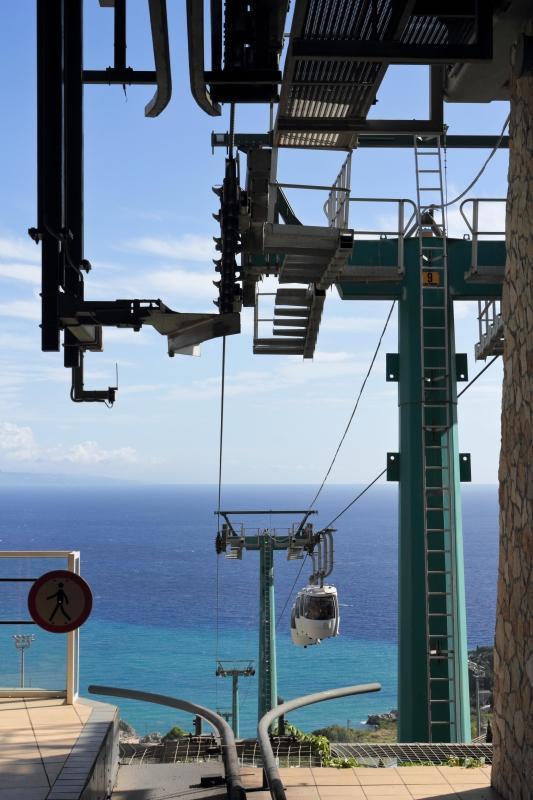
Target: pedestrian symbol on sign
<point>60,597</point>
<point>60,601</point>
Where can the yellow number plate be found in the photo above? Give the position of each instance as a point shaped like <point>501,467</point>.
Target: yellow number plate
<point>430,278</point>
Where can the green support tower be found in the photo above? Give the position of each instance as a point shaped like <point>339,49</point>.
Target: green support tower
<point>234,671</point>
<point>296,541</point>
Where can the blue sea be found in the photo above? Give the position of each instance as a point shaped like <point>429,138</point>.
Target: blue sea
<point>148,554</point>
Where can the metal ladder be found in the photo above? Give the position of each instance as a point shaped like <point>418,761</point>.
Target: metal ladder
<point>437,421</point>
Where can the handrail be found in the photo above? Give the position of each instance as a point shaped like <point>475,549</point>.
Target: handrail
<point>229,750</point>
<point>195,37</point>
<point>270,768</point>
<point>159,26</point>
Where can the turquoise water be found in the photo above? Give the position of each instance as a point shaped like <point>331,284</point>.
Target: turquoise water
<point>148,554</point>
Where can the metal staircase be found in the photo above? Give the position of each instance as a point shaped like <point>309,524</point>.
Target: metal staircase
<point>437,449</point>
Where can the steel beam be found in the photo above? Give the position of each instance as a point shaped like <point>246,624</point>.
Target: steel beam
<point>389,52</point>
<point>73,164</point>
<point>50,221</point>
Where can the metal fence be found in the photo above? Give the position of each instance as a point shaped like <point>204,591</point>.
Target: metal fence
<point>71,559</point>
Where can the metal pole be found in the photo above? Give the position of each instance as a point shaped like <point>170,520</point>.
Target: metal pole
<point>22,668</point>
<point>267,629</point>
<point>235,704</point>
<point>229,751</point>
<point>478,709</point>
<point>270,768</point>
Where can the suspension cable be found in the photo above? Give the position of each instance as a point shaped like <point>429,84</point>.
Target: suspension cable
<point>367,487</point>
<point>482,170</point>
<point>220,451</point>
<point>291,590</point>
<point>343,437</point>
<point>474,379</point>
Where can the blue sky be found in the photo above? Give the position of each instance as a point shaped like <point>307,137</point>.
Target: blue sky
<point>148,233</point>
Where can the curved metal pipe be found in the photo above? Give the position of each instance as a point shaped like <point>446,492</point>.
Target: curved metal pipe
<point>270,768</point>
<point>159,25</point>
<point>195,37</point>
<point>229,750</point>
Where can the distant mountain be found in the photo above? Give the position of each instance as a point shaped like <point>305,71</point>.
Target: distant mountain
<point>57,479</point>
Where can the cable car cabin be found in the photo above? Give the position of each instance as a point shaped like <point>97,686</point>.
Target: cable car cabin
<point>317,612</point>
<point>297,639</point>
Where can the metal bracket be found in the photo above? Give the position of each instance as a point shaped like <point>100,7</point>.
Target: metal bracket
<point>392,367</point>
<point>393,466</point>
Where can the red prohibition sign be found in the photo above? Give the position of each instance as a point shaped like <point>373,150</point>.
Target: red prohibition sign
<point>60,601</point>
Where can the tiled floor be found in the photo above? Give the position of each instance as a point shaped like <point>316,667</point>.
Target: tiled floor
<point>404,783</point>
<point>36,737</point>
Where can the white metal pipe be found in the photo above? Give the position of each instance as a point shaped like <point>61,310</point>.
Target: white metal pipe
<point>275,784</point>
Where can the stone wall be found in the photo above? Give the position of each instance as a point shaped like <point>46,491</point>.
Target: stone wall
<point>512,773</point>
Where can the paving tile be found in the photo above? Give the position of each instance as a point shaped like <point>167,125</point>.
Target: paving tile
<point>341,793</point>
<point>417,777</point>
<point>470,792</point>
<point>28,793</point>
<point>53,769</point>
<point>329,776</point>
<point>21,775</point>
<point>297,776</point>
<point>433,790</point>
<point>391,790</point>
<point>463,774</point>
<point>381,776</point>
<point>305,793</point>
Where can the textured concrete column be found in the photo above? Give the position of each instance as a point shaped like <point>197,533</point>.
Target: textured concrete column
<point>512,773</point>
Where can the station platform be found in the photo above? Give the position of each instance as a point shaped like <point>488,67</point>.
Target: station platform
<point>156,781</point>
<point>53,751</point>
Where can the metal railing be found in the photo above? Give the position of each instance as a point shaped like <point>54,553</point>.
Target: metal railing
<point>271,771</point>
<point>227,739</point>
<point>404,226</point>
<point>474,229</point>
<point>70,693</point>
<point>336,207</point>
<point>490,326</point>
<point>337,190</point>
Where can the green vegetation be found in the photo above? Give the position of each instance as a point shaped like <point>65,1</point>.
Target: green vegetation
<point>384,731</point>
<point>320,747</point>
<point>174,733</point>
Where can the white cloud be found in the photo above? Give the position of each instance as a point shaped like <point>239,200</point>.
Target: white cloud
<point>19,249</point>
<point>292,373</point>
<point>87,453</point>
<point>27,273</point>
<point>23,309</point>
<point>18,443</point>
<point>352,324</point>
<point>188,247</point>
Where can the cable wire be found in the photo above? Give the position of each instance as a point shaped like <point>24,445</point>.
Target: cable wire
<point>345,509</point>
<point>220,451</point>
<point>343,437</point>
<point>482,170</point>
<point>291,590</point>
<point>474,379</point>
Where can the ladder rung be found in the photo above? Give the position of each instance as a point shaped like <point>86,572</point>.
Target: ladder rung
<point>429,170</point>
<point>440,614</point>
<point>439,572</point>
<point>449,700</point>
<point>429,188</point>
<point>439,594</point>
